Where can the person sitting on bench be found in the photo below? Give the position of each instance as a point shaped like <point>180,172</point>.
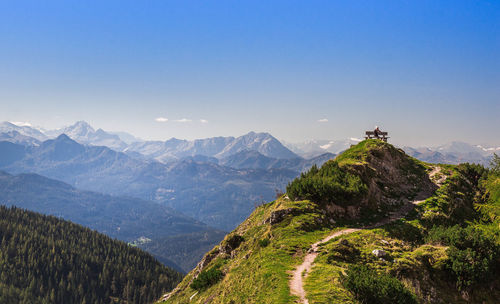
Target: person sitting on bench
<point>376,132</point>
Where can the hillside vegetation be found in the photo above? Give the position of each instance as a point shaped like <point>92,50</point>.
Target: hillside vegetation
<point>445,250</point>
<point>47,260</point>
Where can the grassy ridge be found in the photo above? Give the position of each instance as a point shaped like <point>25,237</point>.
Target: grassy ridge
<point>277,235</point>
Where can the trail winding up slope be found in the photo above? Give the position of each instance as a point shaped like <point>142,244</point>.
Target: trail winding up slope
<point>298,275</point>
<point>301,272</point>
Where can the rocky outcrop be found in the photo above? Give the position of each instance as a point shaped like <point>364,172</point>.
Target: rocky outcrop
<point>230,244</point>
<point>279,215</point>
<point>392,179</point>
<point>226,248</point>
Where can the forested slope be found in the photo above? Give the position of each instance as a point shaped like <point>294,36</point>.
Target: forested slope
<point>44,259</point>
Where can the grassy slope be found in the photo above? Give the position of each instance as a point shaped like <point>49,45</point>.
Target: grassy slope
<point>256,274</point>
<point>260,274</point>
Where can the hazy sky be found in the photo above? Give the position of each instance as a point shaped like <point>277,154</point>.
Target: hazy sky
<point>426,71</point>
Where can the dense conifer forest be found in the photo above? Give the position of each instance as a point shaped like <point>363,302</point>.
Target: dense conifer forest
<point>44,259</point>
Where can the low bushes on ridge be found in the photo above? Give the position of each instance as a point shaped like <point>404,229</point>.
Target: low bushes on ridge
<point>369,287</point>
<point>327,184</point>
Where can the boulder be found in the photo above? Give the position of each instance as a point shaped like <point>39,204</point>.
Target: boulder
<point>230,243</point>
<point>279,215</point>
<point>379,253</point>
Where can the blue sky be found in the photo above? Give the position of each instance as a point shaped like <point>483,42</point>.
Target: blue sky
<point>427,71</point>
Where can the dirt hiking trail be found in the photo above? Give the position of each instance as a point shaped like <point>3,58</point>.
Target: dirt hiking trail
<point>301,272</point>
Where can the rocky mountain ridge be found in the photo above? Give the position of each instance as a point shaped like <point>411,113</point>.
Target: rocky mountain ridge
<point>163,151</point>
<point>222,147</point>
<point>100,169</point>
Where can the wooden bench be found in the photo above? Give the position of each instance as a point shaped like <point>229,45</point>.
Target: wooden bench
<point>381,135</point>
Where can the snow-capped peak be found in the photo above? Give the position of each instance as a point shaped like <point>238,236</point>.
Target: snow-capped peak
<point>79,129</point>
<point>21,123</point>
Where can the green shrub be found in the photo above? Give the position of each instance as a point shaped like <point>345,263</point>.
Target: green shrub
<point>489,208</point>
<point>369,287</point>
<point>495,165</point>
<point>442,235</point>
<point>404,231</point>
<point>207,278</point>
<point>456,201</point>
<point>264,242</point>
<point>472,255</point>
<point>328,184</point>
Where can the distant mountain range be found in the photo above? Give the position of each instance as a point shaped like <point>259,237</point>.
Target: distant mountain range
<point>163,151</point>
<point>218,181</point>
<point>454,153</point>
<point>125,218</point>
<point>83,133</point>
<point>217,147</point>
<point>6,127</point>
<point>221,148</point>
<point>313,148</point>
<point>217,195</point>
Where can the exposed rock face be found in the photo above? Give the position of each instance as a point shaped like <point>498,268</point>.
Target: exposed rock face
<point>196,271</point>
<point>392,179</point>
<point>279,215</point>
<point>227,247</point>
<point>206,260</point>
<point>230,244</point>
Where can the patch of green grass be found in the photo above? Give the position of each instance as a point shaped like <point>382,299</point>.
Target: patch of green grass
<point>357,154</point>
<point>323,286</point>
<point>256,273</point>
<point>455,202</point>
<point>489,208</point>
